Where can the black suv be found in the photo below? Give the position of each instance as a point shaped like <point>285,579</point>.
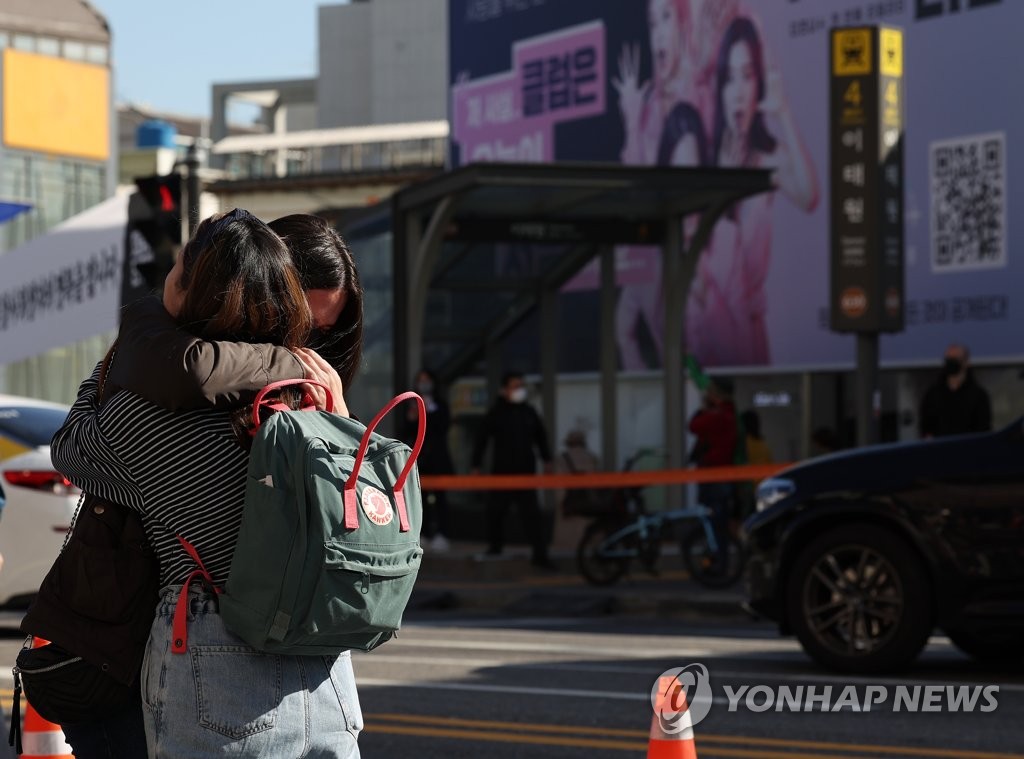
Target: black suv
<point>861,554</point>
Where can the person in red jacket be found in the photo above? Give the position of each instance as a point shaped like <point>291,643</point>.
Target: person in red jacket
<point>717,436</point>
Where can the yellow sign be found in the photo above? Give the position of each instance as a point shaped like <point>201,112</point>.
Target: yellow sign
<point>891,54</point>
<point>52,105</point>
<point>851,52</point>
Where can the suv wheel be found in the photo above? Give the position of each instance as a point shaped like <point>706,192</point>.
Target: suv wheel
<point>858,599</point>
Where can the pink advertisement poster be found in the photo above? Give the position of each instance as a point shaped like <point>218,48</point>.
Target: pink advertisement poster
<point>744,83</point>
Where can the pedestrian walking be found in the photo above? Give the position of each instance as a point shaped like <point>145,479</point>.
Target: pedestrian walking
<point>516,434</point>
<point>716,430</point>
<point>435,456</point>
<point>577,458</point>
<point>955,404</point>
<point>755,452</point>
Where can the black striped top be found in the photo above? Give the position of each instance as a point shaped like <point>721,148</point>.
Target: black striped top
<point>183,470</point>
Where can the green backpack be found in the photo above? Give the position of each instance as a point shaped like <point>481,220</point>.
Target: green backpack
<point>328,551</point>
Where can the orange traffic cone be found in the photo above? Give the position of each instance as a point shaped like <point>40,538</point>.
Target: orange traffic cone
<point>40,738</point>
<point>671,726</point>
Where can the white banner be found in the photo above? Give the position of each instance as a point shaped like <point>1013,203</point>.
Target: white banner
<point>64,286</point>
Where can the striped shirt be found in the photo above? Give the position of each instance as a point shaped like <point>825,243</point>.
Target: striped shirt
<point>184,471</point>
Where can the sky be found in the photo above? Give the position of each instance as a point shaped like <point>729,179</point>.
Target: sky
<point>166,55</point>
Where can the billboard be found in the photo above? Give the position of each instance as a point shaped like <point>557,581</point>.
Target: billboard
<point>52,105</point>
<point>745,83</point>
<point>64,286</point>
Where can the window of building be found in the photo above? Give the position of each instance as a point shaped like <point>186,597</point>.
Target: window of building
<point>25,42</point>
<point>74,51</point>
<point>4,40</point>
<point>48,46</point>
<point>96,54</point>
<point>57,190</point>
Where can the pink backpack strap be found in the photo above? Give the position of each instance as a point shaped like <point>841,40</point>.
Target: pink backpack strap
<point>351,502</point>
<point>179,628</point>
<point>278,406</point>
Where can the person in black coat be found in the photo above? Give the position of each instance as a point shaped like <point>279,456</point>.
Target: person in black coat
<point>518,436</point>
<point>435,457</point>
<point>955,403</point>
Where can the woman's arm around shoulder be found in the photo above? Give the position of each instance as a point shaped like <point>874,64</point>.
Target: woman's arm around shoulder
<point>82,452</point>
<point>177,370</point>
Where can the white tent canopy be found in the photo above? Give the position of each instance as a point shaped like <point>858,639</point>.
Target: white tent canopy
<point>64,286</point>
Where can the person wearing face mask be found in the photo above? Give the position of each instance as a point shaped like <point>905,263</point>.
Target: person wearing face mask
<point>955,404</point>
<point>518,436</point>
<point>435,457</point>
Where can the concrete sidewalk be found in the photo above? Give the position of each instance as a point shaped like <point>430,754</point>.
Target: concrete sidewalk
<point>457,580</point>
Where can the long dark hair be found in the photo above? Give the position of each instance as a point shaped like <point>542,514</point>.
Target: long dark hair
<point>741,30</point>
<point>240,284</point>
<point>324,262</point>
<point>681,121</point>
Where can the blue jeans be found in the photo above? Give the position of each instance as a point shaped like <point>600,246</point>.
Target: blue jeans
<point>224,697</point>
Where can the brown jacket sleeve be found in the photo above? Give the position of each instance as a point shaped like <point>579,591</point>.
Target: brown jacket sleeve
<point>177,370</point>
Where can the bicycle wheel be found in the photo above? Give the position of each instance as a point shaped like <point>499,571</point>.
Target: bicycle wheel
<point>595,567</point>
<point>704,566</point>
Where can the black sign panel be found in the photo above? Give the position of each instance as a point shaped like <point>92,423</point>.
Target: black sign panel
<point>866,141</point>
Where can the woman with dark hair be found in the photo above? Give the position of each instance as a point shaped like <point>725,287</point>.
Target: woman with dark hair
<point>647,108</point>
<point>185,473</point>
<point>645,105</point>
<point>683,142</point>
<point>331,281</point>
<point>726,308</point>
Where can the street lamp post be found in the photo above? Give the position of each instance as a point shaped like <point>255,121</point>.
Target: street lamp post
<point>192,187</point>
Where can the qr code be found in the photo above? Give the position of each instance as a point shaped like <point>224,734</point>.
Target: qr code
<point>968,184</point>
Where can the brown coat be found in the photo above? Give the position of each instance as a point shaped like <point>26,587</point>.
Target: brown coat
<point>177,370</point>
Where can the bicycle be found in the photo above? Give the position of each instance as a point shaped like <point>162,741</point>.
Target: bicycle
<point>611,542</point>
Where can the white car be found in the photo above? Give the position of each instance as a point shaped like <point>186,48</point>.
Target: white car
<point>40,502</point>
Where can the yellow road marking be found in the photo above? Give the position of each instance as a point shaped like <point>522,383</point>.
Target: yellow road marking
<point>579,742</point>
<point>526,726</point>
<point>429,722</point>
<point>500,737</point>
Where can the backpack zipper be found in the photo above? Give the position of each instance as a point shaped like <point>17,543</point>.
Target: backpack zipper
<point>42,670</point>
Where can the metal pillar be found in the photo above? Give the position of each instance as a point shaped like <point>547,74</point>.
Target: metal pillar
<point>807,414</point>
<point>419,251</point>
<point>674,297</point>
<point>549,363</point>
<point>609,364</point>
<point>218,124</point>
<point>279,125</point>
<point>868,392</point>
<point>549,378</point>
<point>408,232</point>
<point>494,369</point>
<point>193,187</point>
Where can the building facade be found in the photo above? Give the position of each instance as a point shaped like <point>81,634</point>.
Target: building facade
<point>57,151</point>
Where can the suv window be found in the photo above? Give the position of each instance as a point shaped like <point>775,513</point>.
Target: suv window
<point>32,426</point>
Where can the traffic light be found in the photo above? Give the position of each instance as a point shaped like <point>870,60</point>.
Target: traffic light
<point>153,235</point>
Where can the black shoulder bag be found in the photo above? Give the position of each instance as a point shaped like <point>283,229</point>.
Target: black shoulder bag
<point>96,606</point>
